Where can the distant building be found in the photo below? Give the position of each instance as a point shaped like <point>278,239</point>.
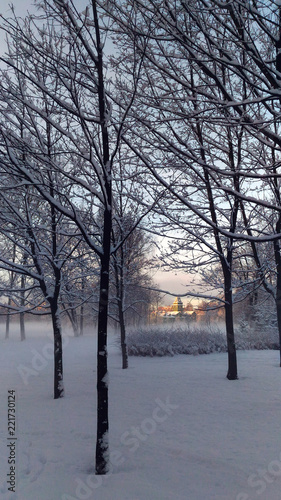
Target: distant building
<point>176,311</point>
<point>177,306</point>
<point>205,311</point>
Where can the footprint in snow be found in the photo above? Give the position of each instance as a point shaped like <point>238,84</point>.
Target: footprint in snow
<point>35,463</point>
<point>39,466</point>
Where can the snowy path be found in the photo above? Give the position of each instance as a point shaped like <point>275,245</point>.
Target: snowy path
<point>178,428</point>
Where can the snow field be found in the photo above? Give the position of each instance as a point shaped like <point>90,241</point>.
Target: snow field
<point>178,428</point>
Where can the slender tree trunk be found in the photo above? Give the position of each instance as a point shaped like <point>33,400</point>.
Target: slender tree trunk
<point>8,320</point>
<point>22,326</point>
<point>74,322</point>
<point>58,366</point>
<point>102,447</point>
<point>231,348</point>
<point>278,289</point>
<point>278,225</point>
<point>278,310</point>
<point>121,314</point>
<point>119,283</point>
<point>22,303</point>
<point>124,350</point>
<point>72,316</point>
<point>81,323</point>
<point>226,263</point>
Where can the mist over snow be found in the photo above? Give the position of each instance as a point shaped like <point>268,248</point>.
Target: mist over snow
<point>178,428</point>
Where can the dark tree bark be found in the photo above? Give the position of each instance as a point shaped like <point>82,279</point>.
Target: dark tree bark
<point>226,261</point>
<point>22,326</point>
<point>278,306</point>
<point>88,50</point>
<point>81,322</point>
<point>102,373</point>
<point>231,349</point>
<point>58,366</point>
<point>119,284</point>
<point>102,449</point>
<point>278,285</point>
<point>7,332</point>
<point>22,303</point>
<point>278,225</point>
<point>120,295</point>
<point>124,350</point>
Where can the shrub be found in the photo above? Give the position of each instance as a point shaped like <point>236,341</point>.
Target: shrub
<point>168,341</point>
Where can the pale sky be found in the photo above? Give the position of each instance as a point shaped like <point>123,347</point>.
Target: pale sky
<point>173,283</point>
<point>21,6</point>
<point>167,281</point>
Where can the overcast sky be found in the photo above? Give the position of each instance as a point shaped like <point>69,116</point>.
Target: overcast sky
<point>21,6</point>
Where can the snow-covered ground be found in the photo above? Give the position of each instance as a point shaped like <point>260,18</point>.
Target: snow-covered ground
<point>178,428</point>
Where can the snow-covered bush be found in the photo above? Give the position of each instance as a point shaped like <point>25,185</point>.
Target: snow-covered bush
<point>168,341</point>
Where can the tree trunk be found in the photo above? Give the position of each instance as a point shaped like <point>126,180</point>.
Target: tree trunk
<point>278,225</point>
<point>58,367</point>
<point>102,447</point>
<point>8,320</point>
<point>119,283</point>
<point>278,290</point>
<point>278,311</point>
<point>22,303</point>
<point>102,457</point>
<point>81,323</point>
<point>124,350</point>
<point>72,316</point>
<point>74,322</point>
<point>22,326</point>
<point>231,348</point>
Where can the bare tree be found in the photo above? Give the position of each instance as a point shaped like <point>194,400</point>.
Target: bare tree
<point>44,241</point>
<point>78,294</point>
<point>211,69</point>
<point>131,263</point>
<point>68,47</point>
